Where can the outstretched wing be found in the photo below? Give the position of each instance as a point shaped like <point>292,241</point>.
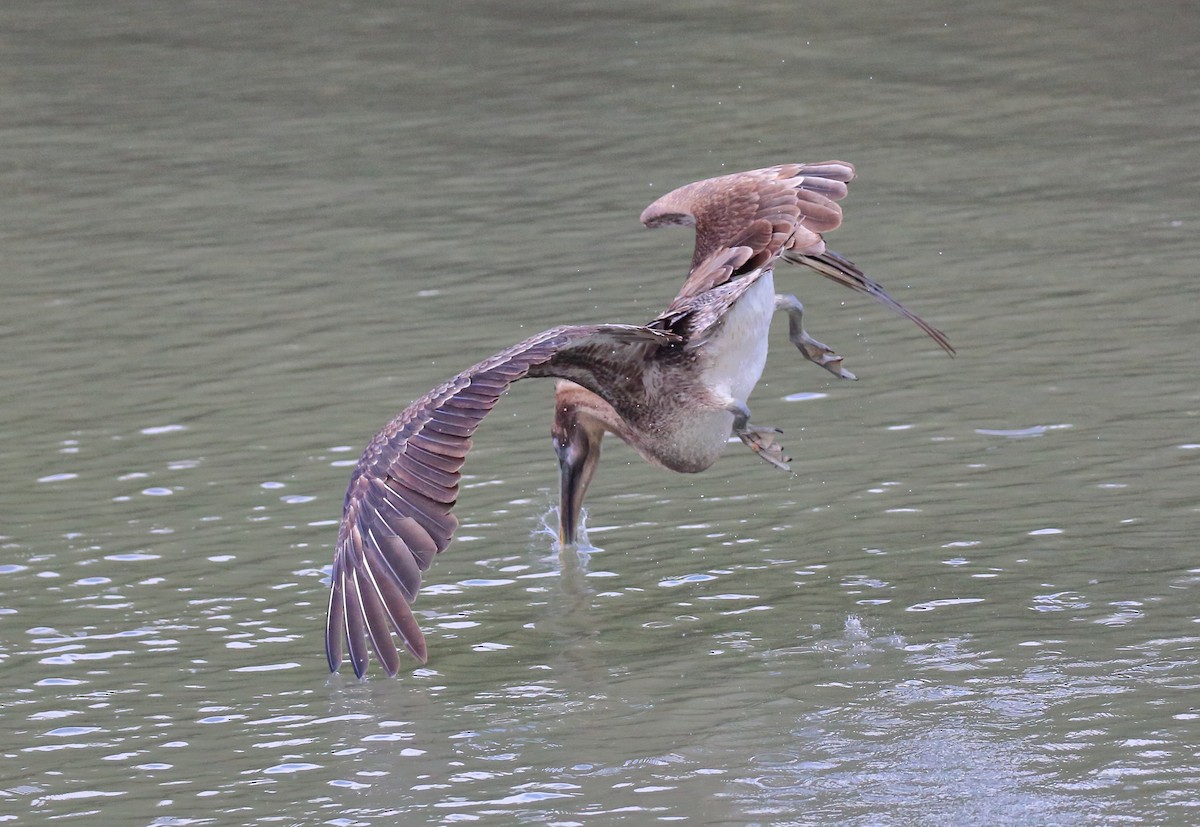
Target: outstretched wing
<point>398,509</point>
<point>745,221</point>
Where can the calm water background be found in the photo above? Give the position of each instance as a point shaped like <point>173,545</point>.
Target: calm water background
<point>237,238</point>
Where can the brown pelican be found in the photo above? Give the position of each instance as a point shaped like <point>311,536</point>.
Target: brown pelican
<point>675,389</point>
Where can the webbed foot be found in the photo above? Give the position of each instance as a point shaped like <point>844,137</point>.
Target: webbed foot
<point>763,442</point>
<point>812,350</point>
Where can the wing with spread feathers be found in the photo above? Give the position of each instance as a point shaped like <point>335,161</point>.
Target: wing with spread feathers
<point>398,511</point>
<point>747,220</point>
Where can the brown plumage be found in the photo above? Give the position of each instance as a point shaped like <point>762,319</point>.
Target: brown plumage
<point>398,509</point>
<point>746,220</point>
<point>674,389</point>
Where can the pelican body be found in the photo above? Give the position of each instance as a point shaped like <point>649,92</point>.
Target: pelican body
<point>674,389</point>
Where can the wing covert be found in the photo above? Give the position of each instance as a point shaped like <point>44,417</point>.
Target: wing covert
<point>755,216</point>
<point>746,221</point>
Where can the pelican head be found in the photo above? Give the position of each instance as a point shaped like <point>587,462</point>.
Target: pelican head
<point>580,420</point>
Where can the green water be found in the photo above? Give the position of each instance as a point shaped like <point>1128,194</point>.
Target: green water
<point>237,238</point>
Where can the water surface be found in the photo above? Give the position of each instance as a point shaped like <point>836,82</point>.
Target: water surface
<point>239,238</point>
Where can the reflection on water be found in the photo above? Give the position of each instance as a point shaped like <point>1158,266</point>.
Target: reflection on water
<point>239,239</point>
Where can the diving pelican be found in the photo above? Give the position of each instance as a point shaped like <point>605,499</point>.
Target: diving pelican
<point>674,389</point>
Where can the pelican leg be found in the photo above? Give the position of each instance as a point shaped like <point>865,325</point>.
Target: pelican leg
<point>762,441</point>
<point>812,350</point>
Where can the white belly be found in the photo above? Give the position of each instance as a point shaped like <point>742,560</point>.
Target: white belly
<point>733,361</point>
<point>739,352</point>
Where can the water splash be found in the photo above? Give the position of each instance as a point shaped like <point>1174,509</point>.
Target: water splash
<point>547,528</point>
